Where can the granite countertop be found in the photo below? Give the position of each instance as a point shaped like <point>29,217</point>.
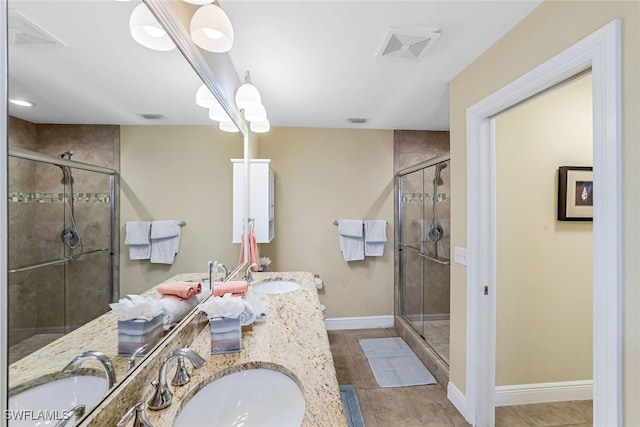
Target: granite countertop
<point>101,334</point>
<point>292,340</point>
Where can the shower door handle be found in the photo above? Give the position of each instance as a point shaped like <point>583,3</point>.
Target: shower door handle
<point>43,264</point>
<point>434,259</point>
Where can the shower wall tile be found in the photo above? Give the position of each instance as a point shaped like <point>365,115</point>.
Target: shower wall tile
<point>21,133</point>
<point>23,320</point>
<point>414,146</point>
<point>436,288</point>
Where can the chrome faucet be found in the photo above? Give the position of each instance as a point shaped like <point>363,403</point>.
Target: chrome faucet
<point>141,419</point>
<point>247,274</point>
<point>94,355</point>
<point>131,362</point>
<point>224,269</point>
<point>214,266</point>
<point>163,396</point>
<point>76,411</point>
<point>182,375</point>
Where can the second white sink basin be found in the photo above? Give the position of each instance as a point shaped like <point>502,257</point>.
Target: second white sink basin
<point>249,398</point>
<point>277,286</point>
<point>55,397</point>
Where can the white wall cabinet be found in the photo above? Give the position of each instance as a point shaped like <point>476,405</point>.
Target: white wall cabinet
<point>261,201</point>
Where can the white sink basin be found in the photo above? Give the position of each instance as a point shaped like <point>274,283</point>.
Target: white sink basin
<point>277,287</point>
<point>254,397</point>
<point>53,398</point>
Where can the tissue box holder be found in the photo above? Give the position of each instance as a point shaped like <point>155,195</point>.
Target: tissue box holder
<point>225,335</point>
<point>134,333</point>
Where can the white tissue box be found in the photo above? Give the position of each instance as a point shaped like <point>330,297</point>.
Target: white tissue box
<point>225,335</point>
<point>133,334</point>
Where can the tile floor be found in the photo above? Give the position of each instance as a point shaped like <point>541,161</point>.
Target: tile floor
<point>419,406</point>
<point>428,406</point>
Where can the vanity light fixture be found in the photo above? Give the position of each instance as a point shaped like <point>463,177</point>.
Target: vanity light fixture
<point>146,30</point>
<point>21,102</point>
<point>228,126</point>
<point>205,99</point>
<point>255,113</point>
<point>211,28</point>
<point>199,2</point>
<point>260,127</point>
<point>247,95</point>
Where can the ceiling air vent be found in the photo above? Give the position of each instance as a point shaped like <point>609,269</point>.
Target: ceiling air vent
<point>151,116</point>
<point>23,31</point>
<point>408,42</point>
<point>357,120</point>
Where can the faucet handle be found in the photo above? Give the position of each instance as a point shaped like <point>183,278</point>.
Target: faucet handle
<point>141,420</point>
<point>182,375</point>
<point>131,362</point>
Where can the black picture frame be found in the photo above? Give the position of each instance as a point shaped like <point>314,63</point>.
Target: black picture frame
<point>575,193</point>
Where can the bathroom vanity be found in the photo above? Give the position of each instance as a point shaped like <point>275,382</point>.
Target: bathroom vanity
<point>292,340</point>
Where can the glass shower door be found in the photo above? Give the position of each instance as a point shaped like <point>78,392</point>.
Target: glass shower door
<point>60,251</point>
<point>411,193</point>
<point>89,272</point>
<point>424,213</point>
<point>436,259</point>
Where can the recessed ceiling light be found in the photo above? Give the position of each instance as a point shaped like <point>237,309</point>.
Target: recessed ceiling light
<point>21,102</point>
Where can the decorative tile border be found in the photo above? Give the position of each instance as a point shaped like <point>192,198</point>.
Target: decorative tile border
<point>19,197</point>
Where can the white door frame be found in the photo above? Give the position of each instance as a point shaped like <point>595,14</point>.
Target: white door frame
<point>599,51</point>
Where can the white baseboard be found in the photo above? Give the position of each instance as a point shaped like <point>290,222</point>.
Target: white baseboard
<point>456,397</point>
<point>369,322</point>
<point>544,392</point>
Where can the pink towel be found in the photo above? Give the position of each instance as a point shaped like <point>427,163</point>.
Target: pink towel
<point>236,288</point>
<point>182,290</point>
<point>254,255</point>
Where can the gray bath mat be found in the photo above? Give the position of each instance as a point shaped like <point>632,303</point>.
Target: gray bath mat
<point>394,364</point>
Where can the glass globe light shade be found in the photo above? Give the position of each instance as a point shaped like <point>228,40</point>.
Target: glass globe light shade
<point>211,29</point>
<point>205,98</point>
<point>247,96</point>
<point>146,30</point>
<point>198,2</point>
<point>219,115</point>
<point>260,127</point>
<point>228,126</point>
<point>257,113</point>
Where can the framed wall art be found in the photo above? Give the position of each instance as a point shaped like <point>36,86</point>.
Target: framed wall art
<point>575,193</point>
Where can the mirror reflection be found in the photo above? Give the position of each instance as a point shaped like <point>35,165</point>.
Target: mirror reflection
<point>109,139</point>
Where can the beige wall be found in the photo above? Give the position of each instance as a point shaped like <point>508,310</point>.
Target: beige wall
<point>544,283</point>
<point>552,27</point>
<point>327,174</point>
<point>184,173</point>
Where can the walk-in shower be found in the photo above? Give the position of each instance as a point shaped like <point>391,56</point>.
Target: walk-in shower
<point>60,246</point>
<point>424,241</point>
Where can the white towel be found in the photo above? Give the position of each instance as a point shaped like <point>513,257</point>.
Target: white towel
<point>165,241</point>
<point>175,310</point>
<point>375,236</point>
<point>138,239</point>
<point>351,239</point>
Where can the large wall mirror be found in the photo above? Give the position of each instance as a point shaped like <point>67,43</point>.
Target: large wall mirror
<point>108,114</point>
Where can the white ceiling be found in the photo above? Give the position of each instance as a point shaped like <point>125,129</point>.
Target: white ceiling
<point>313,61</point>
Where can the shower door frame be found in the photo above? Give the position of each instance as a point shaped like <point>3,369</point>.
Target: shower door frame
<point>399,175</point>
<point>56,161</point>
